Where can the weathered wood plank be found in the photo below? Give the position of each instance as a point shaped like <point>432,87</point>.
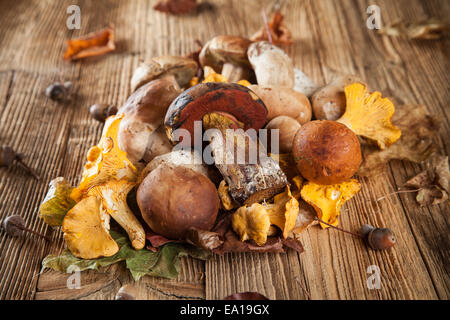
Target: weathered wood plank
<point>331,38</point>
<point>334,265</point>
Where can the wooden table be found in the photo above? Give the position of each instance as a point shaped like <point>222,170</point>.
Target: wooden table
<point>330,37</point>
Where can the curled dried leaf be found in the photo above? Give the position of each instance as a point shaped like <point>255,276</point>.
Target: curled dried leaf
<point>433,183</point>
<point>328,199</point>
<point>226,200</point>
<point>430,29</point>
<point>93,44</point>
<point>416,143</point>
<point>207,240</point>
<point>306,217</point>
<point>176,6</point>
<point>279,32</point>
<point>369,115</point>
<point>283,211</point>
<point>57,202</point>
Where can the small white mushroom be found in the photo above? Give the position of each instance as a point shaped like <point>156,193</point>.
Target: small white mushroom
<point>272,65</point>
<point>303,84</point>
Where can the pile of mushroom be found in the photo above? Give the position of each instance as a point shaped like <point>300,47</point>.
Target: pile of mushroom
<point>150,146</point>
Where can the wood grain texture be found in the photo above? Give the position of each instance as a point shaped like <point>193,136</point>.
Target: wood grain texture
<point>330,38</point>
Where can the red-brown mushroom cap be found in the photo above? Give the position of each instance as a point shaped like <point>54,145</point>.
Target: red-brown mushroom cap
<point>229,98</point>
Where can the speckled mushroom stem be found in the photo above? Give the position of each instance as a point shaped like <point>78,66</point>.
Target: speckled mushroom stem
<point>248,181</point>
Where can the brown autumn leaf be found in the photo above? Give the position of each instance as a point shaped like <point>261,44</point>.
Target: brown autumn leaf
<point>431,29</point>
<point>176,6</point>
<point>93,44</point>
<point>279,32</point>
<point>204,239</point>
<point>306,217</point>
<point>246,296</point>
<point>416,143</point>
<point>433,183</point>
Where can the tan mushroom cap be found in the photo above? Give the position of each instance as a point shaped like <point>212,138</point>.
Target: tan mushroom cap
<point>182,68</point>
<point>223,49</point>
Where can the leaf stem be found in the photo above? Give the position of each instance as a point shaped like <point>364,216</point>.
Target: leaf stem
<point>340,229</point>
<point>269,35</point>
<point>396,192</point>
<point>29,169</point>
<point>303,288</point>
<point>32,231</point>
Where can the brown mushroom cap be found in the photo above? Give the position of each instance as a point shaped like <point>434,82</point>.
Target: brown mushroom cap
<point>173,199</point>
<point>144,112</point>
<point>181,67</point>
<point>326,152</point>
<point>204,98</point>
<point>223,49</point>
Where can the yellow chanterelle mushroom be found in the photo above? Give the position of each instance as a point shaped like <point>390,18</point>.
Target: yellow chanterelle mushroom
<point>107,178</point>
<point>254,222</point>
<point>328,199</point>
<point>369,115</point>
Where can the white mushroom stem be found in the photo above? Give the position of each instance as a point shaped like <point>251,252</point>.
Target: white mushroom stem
<point>234,72</point>
<point>303,84</point>
<point>271,64</point>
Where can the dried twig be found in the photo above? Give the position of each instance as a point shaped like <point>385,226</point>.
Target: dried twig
<point>266,24</point>
<point>303,288</point>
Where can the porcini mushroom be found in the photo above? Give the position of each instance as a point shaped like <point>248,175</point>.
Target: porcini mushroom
<point>228,55</point>
<point>326,152</point>
<point>225,106</point>
<point>183,69</point>
<point>272,65</point>
<point>287,127</point>
<point>282,101</point>
<point>174,199</point>
<point>141,133</point>
<point>303,83</point>
<point>329,102</point>
<point>185,158</point>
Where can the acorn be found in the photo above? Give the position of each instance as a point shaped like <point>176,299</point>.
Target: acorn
<point>378,238</point>
<point>100,111</point>
<point>126,292</point>
<point>14,226</point>
<point>58,91</point>
<point>8,156</point>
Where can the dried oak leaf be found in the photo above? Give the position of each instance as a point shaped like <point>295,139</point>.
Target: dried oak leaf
<point>279,32</point>
<point>207,240</point>
<point>176,6</point>
<point>431,29</point>
<point>433,183</point>
<point>416,143</point>
<point>93,44</point>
